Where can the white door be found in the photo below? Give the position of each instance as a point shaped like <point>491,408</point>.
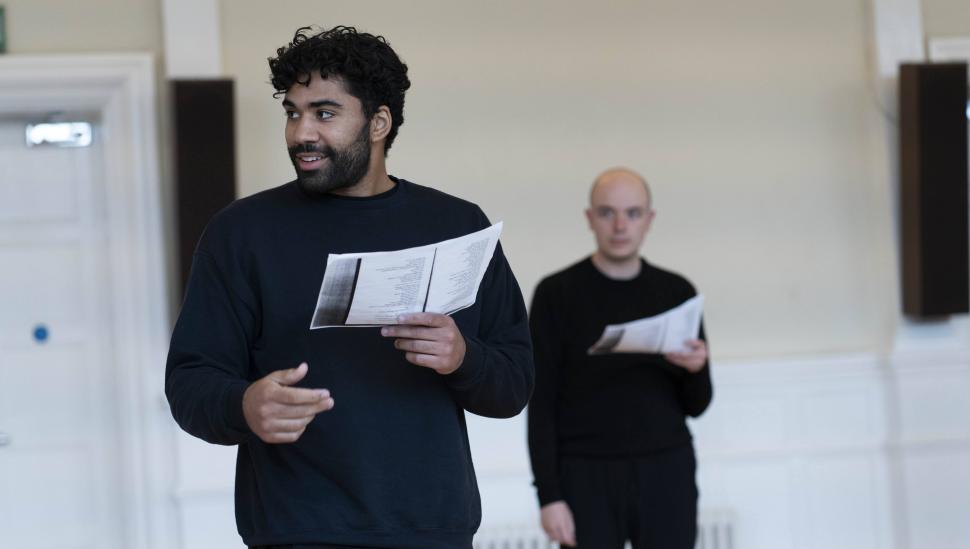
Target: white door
<point>59,464</point>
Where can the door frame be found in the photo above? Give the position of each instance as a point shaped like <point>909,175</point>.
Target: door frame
<point>121,88</point>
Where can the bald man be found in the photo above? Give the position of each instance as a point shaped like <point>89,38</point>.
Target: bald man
<point>611,452</point>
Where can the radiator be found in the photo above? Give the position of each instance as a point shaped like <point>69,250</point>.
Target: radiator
<point>513,537</point>
<point>715,530</point>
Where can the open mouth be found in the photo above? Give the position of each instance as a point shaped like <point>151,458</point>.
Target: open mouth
<point>309,162</point>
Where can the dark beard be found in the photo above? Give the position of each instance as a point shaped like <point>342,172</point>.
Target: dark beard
<point>345,167</point>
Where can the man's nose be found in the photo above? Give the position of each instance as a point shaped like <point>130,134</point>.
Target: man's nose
<point>306,131</point>
<point>619,223</point>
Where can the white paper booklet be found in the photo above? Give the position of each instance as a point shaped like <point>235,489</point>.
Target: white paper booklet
<point>372,289</point>
<point>663,333</point>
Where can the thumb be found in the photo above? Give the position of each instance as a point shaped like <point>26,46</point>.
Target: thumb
<point>291,375</point>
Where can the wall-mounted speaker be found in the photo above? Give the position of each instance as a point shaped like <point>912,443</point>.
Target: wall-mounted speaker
<point>205,159</point>
<point>933,190</point>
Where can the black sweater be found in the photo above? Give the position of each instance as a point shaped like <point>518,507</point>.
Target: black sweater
<point>615,405</point>
<point>389,465</point>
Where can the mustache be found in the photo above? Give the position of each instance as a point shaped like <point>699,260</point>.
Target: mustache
<point>307,148</point>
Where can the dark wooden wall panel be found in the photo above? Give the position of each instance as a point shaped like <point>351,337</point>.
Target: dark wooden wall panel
<point>933,200</point>
<point>205,159</point>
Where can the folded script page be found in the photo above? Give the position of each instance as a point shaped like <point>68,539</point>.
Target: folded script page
<point>372,289</point>
<point>663,333</point>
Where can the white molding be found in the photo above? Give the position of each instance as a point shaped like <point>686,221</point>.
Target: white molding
<point>897,37</point>
<point>121,88</point>
<point>773,370</point>
<point>951,48</point>
<point>941,356</point>
<point>193,46</point>
<point>898,33</point>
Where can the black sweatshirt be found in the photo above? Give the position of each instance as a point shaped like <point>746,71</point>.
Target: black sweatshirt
<point>389,465</point>
<point>614,405</point>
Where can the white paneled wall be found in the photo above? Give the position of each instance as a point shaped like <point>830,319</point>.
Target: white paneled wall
<point>850,452</point>
<point>204,494</point>
<point>798,450</point>
<point>933,451</point>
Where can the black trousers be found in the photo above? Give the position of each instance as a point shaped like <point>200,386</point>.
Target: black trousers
<point>650,501</point>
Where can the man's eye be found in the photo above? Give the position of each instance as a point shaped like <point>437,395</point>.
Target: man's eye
<point>635,213</point>
<point>604,212</point>
<point>324,114</point>
<point>292,115</point>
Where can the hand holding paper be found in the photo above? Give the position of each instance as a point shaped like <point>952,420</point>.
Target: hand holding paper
<point>431,340</point>
<point>694,359</point>
<point>374,289</point>
<point>674,331</point>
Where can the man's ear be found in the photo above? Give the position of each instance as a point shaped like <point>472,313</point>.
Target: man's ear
<point>380,124</point>
<point>650,215</point>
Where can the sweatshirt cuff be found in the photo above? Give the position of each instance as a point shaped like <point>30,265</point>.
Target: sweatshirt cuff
<point>549,494</point>
<point>235,419</point>
<point>472,366</point>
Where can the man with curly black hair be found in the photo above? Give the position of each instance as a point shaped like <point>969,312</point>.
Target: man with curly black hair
<point>390,466</point>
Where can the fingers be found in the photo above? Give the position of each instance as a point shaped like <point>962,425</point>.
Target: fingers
<point>567,528</point>
<point>411,332</point>
<point>289,376</point>
<point>277,413</point>
<point>696,350</point>
<point>425,319</point>
<point>435,362</point>
<point>286,411</point>
<point>692,347</point>
<point>557,521</point>
<point>283,426</point>
<point>680,358</point>
<point>692,362</point>
<point>295,402</point>
<point>298,395</point>
<point>424,346</point>
<point>444,362</point>
<point>430,340</point>
<point>569,532</point>
<point>270,410</point>
<point>423,353</point>
<point>563,532</point>
<point>552,531</point>
<point>281,437</point>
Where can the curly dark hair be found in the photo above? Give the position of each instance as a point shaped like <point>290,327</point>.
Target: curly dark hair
<point>366,64</point>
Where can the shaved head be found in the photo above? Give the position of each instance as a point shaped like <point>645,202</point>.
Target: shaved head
<point>621,176</point>
<point>619,215</point>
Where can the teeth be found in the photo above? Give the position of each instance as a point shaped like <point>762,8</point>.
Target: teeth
<point>310,158</point>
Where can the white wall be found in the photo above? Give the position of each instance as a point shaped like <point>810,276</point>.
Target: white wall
<point>946,18</point>
<point>56,26</point>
